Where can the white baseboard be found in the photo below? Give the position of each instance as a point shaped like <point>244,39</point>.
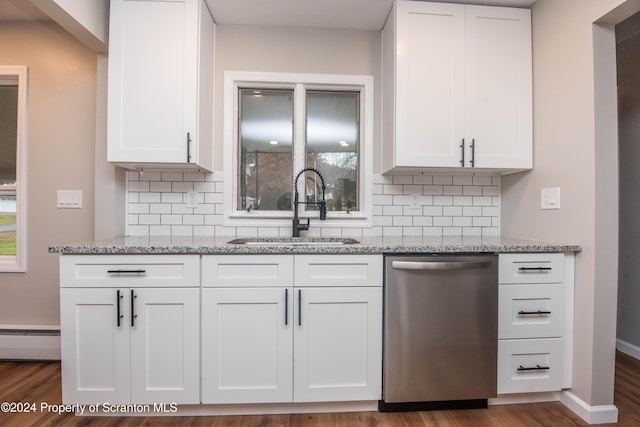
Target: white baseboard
<point>627,348</point>
<point>29,345</point>
<point>601,414</point>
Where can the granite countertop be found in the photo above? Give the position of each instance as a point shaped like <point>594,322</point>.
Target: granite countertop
<point>366,245</point>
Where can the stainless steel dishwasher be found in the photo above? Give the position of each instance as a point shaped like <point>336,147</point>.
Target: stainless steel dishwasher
<point>440,331</point>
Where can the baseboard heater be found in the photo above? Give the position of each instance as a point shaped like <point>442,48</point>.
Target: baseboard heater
<point>29,344</point>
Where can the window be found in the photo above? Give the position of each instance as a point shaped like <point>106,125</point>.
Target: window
<point>282,123</point>
<point>12,171</point>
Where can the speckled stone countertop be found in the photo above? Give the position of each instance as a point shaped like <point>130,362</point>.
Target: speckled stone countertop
<point>366,245</point>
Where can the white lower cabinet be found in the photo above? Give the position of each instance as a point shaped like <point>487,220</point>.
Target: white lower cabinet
<point>535,322</point>
<point>338,344</point>
<point>530,365</point>
<point>128,344</point>
<point>247,345</point>
<point>268,344</point>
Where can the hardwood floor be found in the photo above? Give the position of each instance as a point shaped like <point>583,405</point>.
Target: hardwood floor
<point>32,382</point>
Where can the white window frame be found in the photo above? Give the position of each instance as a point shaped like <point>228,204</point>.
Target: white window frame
<point>18,74</point>
<point>300,82</point>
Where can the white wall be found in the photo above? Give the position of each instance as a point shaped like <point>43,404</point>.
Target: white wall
<point>60,151</point>
<point>575,148</point>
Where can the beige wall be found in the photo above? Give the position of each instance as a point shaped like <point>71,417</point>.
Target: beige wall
<point>88,21</point>
<point>293,50</point>
<point>60,155</point>
<point>575,148</point>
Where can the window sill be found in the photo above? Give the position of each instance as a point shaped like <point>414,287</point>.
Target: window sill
<point>258,219</point>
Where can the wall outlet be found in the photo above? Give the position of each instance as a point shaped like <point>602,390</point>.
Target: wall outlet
<point>415,203</point>
<point>192,199</point>
<point>550,198</point>
<point>69,199</point>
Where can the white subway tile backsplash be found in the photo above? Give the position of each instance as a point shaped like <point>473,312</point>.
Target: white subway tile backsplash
<point>149,197</point>
<point>139,208</point>
<point>160,208</point>
<point>412,189</point>
<point>171,197</point>
<point>443,179</point>
<point>150,176</point>
<point>483,180</point>
<point>172,176</point>
<point>452,190</point>
<point>181,187</point>
<point>403,205</point>
<point>392,189</point>
<point>138,186</point>
<point>423,179</point>
<point>402,179</point>
<point>160,186</point>
<point>462,180</point>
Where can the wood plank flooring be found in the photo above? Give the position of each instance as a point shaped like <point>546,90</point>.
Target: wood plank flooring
<point>36,382</point>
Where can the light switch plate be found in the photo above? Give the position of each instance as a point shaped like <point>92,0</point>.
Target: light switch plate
<point>550,198</point>
<point>69,199</point>
<point>415,203</point>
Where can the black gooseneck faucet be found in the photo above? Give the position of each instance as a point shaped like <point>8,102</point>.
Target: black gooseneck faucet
<point>297,226</point>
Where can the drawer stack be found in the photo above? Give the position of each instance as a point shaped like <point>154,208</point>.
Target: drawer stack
<point>531,322</point>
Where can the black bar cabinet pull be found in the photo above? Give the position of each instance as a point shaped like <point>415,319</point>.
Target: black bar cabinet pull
<point>118,315</point>
<point>286,306</point>
<point>462,153</point>
<point>473,153</point>
<point>534,269</point>
<point>299,307</point>
<point>133,306</point>
<point>534,368</point>
<point>524,313</point>
<point>188,147</point>
<point>127,271</point>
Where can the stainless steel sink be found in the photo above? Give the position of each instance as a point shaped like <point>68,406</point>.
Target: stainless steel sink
<point>293,241</point>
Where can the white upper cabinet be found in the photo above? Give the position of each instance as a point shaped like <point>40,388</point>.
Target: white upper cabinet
<point>457,88</point>
<point>160,93</point>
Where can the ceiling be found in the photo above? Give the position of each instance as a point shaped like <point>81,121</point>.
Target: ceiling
<point>20,10</point>
<point>351,14</point>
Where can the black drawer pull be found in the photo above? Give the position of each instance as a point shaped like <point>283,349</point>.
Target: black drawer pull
<point>525,313</point>
<point>127,271</point>
<point>536,368</point>
<point>534,268</point>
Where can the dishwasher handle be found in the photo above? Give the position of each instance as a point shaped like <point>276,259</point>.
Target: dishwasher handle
<point>440,265</point>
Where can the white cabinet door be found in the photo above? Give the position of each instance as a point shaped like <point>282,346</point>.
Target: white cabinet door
<point>95,346</point>
<point>247,345</point>
<point>338,344</point>
<point>498,87</point>
<point>457,87</point>
<point>430,96</point>
<point>153,99</point>
<point>165,345</point>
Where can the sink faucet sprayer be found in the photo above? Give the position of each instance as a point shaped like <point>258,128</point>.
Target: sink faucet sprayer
<point>297,226</point>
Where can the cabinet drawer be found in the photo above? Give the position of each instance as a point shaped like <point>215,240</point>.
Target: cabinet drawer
<point>247,270</point>
<point>338,270</point>
<point>531,268</point>
<point>531,311</point>
<point>526,366</point>
<point>129,270</point>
